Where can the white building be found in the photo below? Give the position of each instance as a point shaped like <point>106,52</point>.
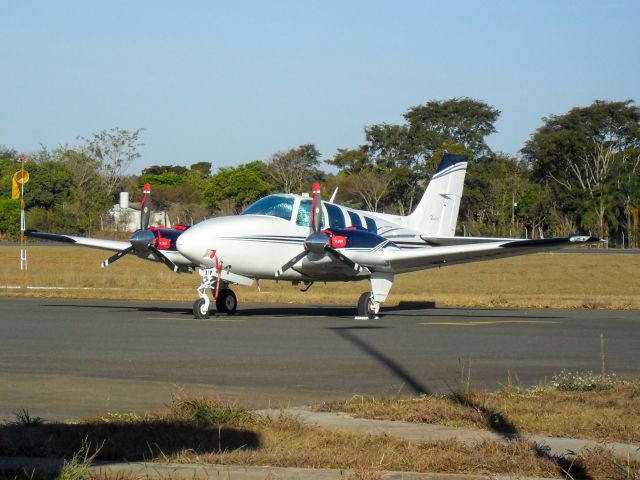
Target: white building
<point>127,219</point>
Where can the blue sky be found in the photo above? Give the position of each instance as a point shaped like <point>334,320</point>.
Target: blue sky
<point>230,82</point>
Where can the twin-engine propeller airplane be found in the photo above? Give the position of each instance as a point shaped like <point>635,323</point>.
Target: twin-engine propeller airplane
<point>301,239</point>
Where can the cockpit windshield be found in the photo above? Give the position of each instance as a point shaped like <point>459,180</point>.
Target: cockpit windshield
<point>272,205</point>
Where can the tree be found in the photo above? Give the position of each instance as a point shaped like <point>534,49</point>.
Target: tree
<point>203,168</point>
<point>295,167</point>
<point>8,153</point>
<point>462,121</point>
<point>500,199</point>
<point>370,187</point>
<point>160,169</point>
<point>9,218</point>
<point>408,153</point>
<point>115,150</point>
<point>51,184</point>
<point>627,188</point>
<point>390,146</point>
<point>581,153</point>
<point>351,160</point>
<point>233,188</point>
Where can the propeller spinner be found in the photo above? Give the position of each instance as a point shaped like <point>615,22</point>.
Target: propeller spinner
<point>320,242</point>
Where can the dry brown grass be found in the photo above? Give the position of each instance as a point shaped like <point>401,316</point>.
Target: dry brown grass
<point>208,431</point>
<point>608,415</point>
<point>552,280</point>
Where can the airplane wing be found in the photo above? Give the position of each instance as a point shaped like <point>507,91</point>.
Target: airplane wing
<point>103,244</point>
<point>398,260</point>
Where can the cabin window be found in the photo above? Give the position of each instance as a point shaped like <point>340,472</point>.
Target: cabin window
<point>371,225</point>
<point>274,205</point>
<point>304,214</point>
<point>336,217</point>
<point>355,219</point>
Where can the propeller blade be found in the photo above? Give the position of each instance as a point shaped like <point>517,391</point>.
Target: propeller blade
<point>346,260</point>
<point>291,263</point>
<point>116,257</point>
<point>160,256</point>
<point>145,207</point>
<point>316,208</point>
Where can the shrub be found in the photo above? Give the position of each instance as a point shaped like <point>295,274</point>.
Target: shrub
<point>566,381</point>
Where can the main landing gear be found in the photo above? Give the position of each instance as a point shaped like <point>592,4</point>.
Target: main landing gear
<point>369,302</point>
<point>226,301</point>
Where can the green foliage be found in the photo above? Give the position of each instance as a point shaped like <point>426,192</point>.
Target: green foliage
<point>10,218</point>
<point>164,178</point>
<point>204,168</point>
<point>54,220</point>
<point>207,411</point>
<point>391,146</point>
<point>8,167</point>
<point>567,138</point>
<point>160,169</point>
<point>589,157</point>
<point>351,160</point>
<point>8,153</point>
<point>50,184</point>
<point>492,187</point>
<point>233,188</point>
<point>463,121</point>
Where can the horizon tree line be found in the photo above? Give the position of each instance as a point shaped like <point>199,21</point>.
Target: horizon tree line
<point>578,172</point>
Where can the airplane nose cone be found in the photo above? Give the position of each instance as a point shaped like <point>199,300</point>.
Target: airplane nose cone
<point>188,245</point>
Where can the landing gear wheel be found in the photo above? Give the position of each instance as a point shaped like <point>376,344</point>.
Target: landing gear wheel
<point>226,302</point>
<point>200,309</point>
<point>367,306</point>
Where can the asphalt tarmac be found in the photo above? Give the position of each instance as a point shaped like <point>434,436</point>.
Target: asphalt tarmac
<point>70,358</point>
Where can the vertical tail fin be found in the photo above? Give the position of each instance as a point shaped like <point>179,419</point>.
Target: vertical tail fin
<point>437,213</point>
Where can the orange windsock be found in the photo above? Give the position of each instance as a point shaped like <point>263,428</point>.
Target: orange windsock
<point>19,178</point>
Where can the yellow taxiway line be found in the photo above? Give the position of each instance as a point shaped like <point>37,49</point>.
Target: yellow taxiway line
<point>487,322</point>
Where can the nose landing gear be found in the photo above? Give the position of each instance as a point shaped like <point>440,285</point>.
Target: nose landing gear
<point>226,301</point>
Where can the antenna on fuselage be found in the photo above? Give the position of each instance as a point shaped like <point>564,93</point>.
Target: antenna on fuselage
<point>333,195</point>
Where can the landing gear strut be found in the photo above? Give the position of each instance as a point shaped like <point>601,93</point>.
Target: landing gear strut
<point>226,301</point>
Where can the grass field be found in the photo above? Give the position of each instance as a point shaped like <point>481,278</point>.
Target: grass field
<point>605,415</point>
<point>204,430</point>
<point>549,280</point>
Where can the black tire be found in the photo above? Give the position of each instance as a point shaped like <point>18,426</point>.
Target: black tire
<point>365,306</point>
<point>198,310</point>
<point>226,302</point>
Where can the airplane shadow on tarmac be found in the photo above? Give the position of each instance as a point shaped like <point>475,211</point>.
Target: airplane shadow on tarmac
<point>570,468</point>
<point>139,440</point>
<point>404,309</point>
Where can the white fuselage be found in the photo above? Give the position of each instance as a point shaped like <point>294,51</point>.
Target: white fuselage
<point>256,246</point>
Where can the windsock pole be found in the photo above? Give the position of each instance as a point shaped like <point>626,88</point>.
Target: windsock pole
<point>23,223</point>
